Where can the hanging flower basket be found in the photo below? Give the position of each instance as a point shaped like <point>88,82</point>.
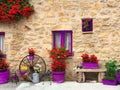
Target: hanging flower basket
<point>31,52</point>
<point>13,10</point>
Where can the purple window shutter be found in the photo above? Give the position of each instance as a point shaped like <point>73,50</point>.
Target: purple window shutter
<point>62,38</point>
<point>54,39</point>
<point>71,44</point>
<point>2,33</point>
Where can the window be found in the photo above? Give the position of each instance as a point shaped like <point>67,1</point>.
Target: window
<point>63,38</point>
<point>2,34</point>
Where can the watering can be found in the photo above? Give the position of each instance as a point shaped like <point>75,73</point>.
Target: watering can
<point>35,77</point>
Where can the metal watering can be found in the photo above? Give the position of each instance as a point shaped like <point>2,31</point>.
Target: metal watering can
<point>35,77</point>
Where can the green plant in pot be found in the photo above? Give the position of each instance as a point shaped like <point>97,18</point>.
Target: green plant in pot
<point>118,68</point>
<point>58,66</point>
<point>110,76</point>
<point>4,72</point>
<point>118,73</point>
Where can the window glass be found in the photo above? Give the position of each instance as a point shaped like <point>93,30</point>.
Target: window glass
<point>67,41</point>
<point>58,40</point>
<point>2,43</point>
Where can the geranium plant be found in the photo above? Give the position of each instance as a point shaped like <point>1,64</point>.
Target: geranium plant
<point>13,10</point>
<point>89,58</point>
<point>56,53</point>
<point>58,56</point>
<point>31,51</point>
<point>3,64</point>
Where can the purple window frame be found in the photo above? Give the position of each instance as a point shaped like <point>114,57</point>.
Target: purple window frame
<point>90,27</point>
<point>62,33</point>
<point>3,34</point>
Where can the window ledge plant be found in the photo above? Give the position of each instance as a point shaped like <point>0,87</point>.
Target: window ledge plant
<point>13,10</point>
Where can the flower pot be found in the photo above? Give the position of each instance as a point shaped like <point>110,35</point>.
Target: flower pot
<point>31,57</point>
<point>58,77</point>
<point>4,76</point>
<point>109,82</point>
<point>35,78</point>
<point>89,65</point>
<point>118,73</point>
<point>118,78</point>
<point>22,72</point>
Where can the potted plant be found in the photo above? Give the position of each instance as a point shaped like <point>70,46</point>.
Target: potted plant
<point>89,61</point>
<point>31,52</point>
<point>118,73</point>
<point>58,66</point>
<point>4,72</point>
<point>110,76</point>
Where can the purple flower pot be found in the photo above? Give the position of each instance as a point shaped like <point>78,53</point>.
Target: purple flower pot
<point>118,73</point>
<point>118,78</point>
<point>4,76</point>
<point>109,82</point>
<point>31,57</point>
<point>58,77</point>
<point>22,72</point>
<point>89,65</point>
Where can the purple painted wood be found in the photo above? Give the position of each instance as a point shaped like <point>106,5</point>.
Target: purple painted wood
<point>87,25</point>
<point>2,33</point>
<point>62,33</point>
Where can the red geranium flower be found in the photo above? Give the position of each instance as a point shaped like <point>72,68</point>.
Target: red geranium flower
<point>58,56</point>
<point>89,58</point>
<point>13,10</point>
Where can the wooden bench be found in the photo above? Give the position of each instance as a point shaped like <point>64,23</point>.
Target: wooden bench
<point>81,74</point>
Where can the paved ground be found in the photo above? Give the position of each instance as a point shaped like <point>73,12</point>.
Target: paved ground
<point>55,86</point>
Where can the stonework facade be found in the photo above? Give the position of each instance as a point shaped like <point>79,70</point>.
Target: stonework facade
<point>49,15</point>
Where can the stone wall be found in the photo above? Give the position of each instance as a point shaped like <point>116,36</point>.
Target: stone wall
<point>66,15</point>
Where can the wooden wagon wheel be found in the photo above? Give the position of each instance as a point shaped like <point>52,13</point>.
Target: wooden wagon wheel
<point>28,66</point>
